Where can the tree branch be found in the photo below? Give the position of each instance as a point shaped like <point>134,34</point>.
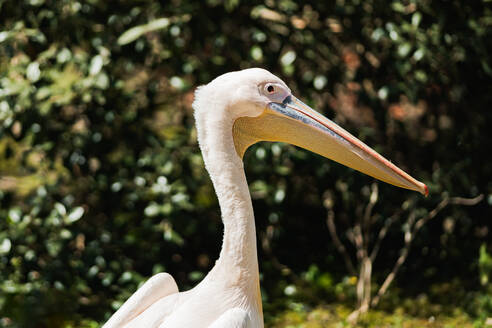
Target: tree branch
<point>330,222</point>
<point>284,269</point>
<point>382,234</point>
<point>366,222</point>
<point>410,235</point>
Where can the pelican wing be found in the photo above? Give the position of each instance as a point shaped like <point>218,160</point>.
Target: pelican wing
<point>154,289</point>
<point>233,318</point>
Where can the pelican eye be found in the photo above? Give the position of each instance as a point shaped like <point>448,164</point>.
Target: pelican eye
<point>275,92</point>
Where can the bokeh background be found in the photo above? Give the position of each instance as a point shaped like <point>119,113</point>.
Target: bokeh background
<point>102,183</point>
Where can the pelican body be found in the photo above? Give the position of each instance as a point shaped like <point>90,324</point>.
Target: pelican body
<point>232,112</point>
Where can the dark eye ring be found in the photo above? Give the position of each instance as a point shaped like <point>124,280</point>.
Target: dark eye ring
<point>270,88</point>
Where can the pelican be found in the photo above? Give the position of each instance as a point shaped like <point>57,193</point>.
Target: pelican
<point>232,112</point>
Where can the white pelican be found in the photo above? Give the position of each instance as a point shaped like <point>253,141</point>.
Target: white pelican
<point>232,112</point>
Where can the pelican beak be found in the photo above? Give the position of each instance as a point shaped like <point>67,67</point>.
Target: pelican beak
<point>294,122</point>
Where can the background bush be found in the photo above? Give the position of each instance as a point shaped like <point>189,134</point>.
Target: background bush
<point>101,179</point>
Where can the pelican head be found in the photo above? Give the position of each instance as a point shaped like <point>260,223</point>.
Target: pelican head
<point>263,108</point>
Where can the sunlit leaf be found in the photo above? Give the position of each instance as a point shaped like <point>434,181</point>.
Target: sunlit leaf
<point>75,215</point>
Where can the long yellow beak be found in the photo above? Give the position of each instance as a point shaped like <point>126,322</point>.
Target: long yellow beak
<point>294,122</point>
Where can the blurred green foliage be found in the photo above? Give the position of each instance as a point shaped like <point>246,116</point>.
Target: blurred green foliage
<point>333,317</point>
<point>102,183</point>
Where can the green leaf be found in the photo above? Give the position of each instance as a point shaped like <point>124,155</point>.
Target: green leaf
<point>137,31</point>
<point>5,246</point>
<point>416,18</point>
<point>74,215</point>
<point>404,49</point>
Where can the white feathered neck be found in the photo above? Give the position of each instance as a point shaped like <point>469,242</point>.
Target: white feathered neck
<point>238,258</point>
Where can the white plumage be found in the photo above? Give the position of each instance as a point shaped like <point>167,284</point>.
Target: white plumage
<point>232,112</point>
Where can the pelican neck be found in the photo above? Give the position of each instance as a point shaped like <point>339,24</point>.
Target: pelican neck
<point>226,169</point>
